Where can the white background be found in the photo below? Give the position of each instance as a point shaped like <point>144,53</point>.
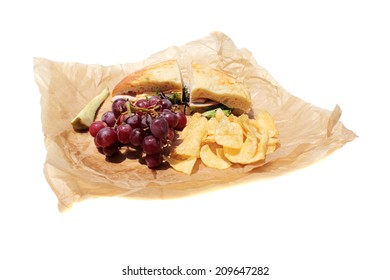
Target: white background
<point>327,221</point>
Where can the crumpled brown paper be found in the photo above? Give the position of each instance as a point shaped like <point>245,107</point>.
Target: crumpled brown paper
<point>75,170</point>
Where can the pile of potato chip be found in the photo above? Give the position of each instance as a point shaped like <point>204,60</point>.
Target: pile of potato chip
<point>224,140</point>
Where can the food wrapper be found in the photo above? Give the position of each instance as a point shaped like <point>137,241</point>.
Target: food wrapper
<point>75,170</point>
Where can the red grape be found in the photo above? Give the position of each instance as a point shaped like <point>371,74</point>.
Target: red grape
<point>159,127</point>
<point>106,137</point>
<point>154,101</point>
<point>123,133</point>
<point>122,119</point>
<point>95,127</point>
<point>182,120</point>
<point>166,103</point>
<point>170,117</point>
<point>134,121</point>
<point>110,150</point>
<point>142,103</point>
<point>145,121</point>
<point>153,161</point>
<point>136,137</point>
<point>151,145</point>
<point>118,107</point>
<point>109,118</point>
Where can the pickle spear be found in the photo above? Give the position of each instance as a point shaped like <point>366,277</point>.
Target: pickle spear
<point>87,115</point>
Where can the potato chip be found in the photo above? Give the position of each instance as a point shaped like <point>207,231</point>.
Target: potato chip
<point>220,153</point>
<point>243,154</point>
<point>247,125</point>
<point>211,125</point>
<point>211,159</point>
<point>266,124</point>
<point>209,139</point>
<point>220,115</point>
<point>196,132</point>
<point>270,149</point>
<point>272,145</point>
<point>232,118</point>
<point>229,134</point>
<point>182,165</point>
<point>260,150</point>
<point>185,132</point>
<point>191,123</point>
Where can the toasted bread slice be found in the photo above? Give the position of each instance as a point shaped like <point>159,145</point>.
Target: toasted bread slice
<point>164,76</point>
<point>212,84</point>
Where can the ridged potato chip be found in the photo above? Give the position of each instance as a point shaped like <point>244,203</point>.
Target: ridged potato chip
<point>248,125</point>
<point>191,124</point>
<point>229,134</point>
<point>272,145</point>
<point>212,158</point>
<point>266,124</point>
<point>243,154</point>
<point>182,165</point>
<point>194,134</point>
<point>261,150</point>
<point>220,115</point>
<point>211,125</point>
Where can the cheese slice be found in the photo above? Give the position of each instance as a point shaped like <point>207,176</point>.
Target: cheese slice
<point>202,102</point>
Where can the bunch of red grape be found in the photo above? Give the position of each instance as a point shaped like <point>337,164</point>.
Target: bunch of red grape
<point>147,124</point>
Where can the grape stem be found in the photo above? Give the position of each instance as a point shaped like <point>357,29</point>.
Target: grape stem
<point>128,107</point>
<point>150,111</point>
<point>132,108</point>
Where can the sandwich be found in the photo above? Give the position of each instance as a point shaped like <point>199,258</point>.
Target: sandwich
<point>212,88</point>
<point>164,77</point>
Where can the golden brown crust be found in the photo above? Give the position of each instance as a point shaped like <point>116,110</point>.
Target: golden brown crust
<point>217,85</point>
<point>165,76</point>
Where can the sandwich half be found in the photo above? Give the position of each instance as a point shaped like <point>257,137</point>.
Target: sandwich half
<point>164,77</point>
<point>211,88</point>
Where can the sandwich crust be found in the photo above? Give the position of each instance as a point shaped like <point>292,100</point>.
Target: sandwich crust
<point>217,85</point>
<point>165,76</point>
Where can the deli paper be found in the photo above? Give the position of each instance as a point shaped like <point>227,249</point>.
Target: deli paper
<point>75,170</point>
